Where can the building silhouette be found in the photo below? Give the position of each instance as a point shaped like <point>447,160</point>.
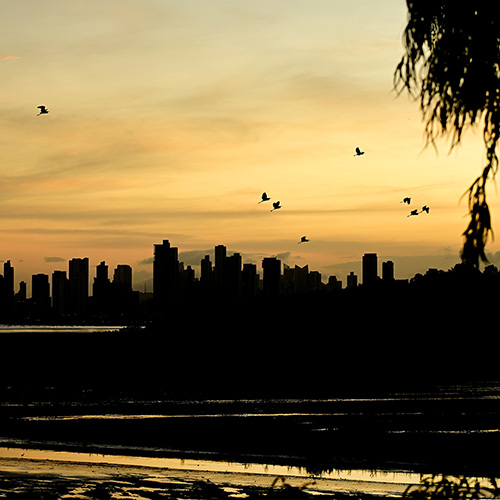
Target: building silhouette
<point>352,280</point>
<point>8,284</point>
<point>388,271</point>
<point>370,268</point>
<point>60,294</point>
<point>40,296</point>
<point>78,286</point>
<point>271,276</point>
<point>166,278</point>
<point>249,281</point>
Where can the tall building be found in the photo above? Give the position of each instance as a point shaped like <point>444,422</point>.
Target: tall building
<point>206,276</point>
<point>220,269</point>
<point>40,295</point>
<point>249,280</point>
<point>122,276</point>
<point>352,280</point>
<point>60,293</point>
<point>271,267</point>
<point>388,270</point>
<point>370,266</point>
<point>166,277</point>
<point>101,290</point>
<point>233,265</point>
<point>8,275</point>
<point>78,286</point>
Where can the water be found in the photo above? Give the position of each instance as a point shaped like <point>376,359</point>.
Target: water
<point>359,475</point>
<point>58,328</point>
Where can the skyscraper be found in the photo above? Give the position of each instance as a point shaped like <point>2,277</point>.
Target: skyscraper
<point>271,267</point>
<point>388,270</point>
<point>101,290</point>
<point>122,276</point>
<point>79,286</point>
<point>206,276</point>
<point>8,275</point>
<point>60,293</point>
<point>220,268</point>
<point>370,268</point>
<point>40,295</point>
<point>166,277</point>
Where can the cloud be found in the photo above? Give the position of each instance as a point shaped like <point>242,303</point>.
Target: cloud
<point>145,262</point>
<point>54,259</point>
<point>6,57</point>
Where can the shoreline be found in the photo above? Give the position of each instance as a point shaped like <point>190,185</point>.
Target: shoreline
<point>29,470</point>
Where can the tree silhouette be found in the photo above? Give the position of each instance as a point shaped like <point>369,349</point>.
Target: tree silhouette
<point>451,64</point>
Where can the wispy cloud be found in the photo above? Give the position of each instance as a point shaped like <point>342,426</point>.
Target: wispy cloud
<point>54,259</point>
<point>6,57</point>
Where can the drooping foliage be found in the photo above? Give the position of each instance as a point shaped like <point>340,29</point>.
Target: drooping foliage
<point>451,64</point>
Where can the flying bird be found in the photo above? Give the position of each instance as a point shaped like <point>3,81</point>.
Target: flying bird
<point>359,152</point>
<point>413,212</point>
<point>406,200</point>
<point>264,197</point>
<point>303,240</point>
<point>276,206</point>
<point>43,110</point>
<point>425,208</point>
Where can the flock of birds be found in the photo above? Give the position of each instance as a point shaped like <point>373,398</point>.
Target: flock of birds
<point>358,152</point>
<point>415,211</point>
<point>277,205</point>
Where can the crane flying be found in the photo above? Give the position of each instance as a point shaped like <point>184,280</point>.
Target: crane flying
<point>264,197</point>
<point>276,206</point>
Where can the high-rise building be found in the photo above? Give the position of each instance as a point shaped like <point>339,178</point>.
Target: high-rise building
<point>166,277</point>
<point>60,293</point>
<point>249,280</point>
<point>101,290</point>
<point>271,267</point>
<point>352,280</point>
<point>8,284</point>
<point>78,286</point>
<point>206,276</point>
<point>370,267</point>
<point>40,295</point>
<point>220,268</point>
<point>388,270</point>
<point>122,276</point>
<point>233,276</point>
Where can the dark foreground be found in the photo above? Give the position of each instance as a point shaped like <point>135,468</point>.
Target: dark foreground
<point>419,398</point>
<point>33,480</point>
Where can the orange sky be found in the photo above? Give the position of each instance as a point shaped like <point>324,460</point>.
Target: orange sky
<point>169,118</point>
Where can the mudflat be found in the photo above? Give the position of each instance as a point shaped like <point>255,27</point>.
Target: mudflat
<point>47,479</point>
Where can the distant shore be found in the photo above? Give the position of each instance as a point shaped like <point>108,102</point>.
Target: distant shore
<point>74,479</point>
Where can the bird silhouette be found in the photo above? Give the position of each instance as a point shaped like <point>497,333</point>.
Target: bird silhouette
<point>264,197</point>
<point>425,208</point>
<point>413,212</point>
<point>406,200</point>
<point>43,110</point>
<point>359,152</point>
<point>276,206</point>
<point>303,240</point>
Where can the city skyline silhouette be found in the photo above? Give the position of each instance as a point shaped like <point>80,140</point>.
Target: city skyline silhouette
<point>79,295</point>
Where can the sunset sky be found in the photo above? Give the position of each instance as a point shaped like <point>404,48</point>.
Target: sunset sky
<point>169,118</point>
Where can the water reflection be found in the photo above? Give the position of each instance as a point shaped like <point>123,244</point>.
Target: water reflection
<point>379,476</point>
<point>58,328</point>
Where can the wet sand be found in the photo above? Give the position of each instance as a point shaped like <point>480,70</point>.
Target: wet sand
<point>73,480</point>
